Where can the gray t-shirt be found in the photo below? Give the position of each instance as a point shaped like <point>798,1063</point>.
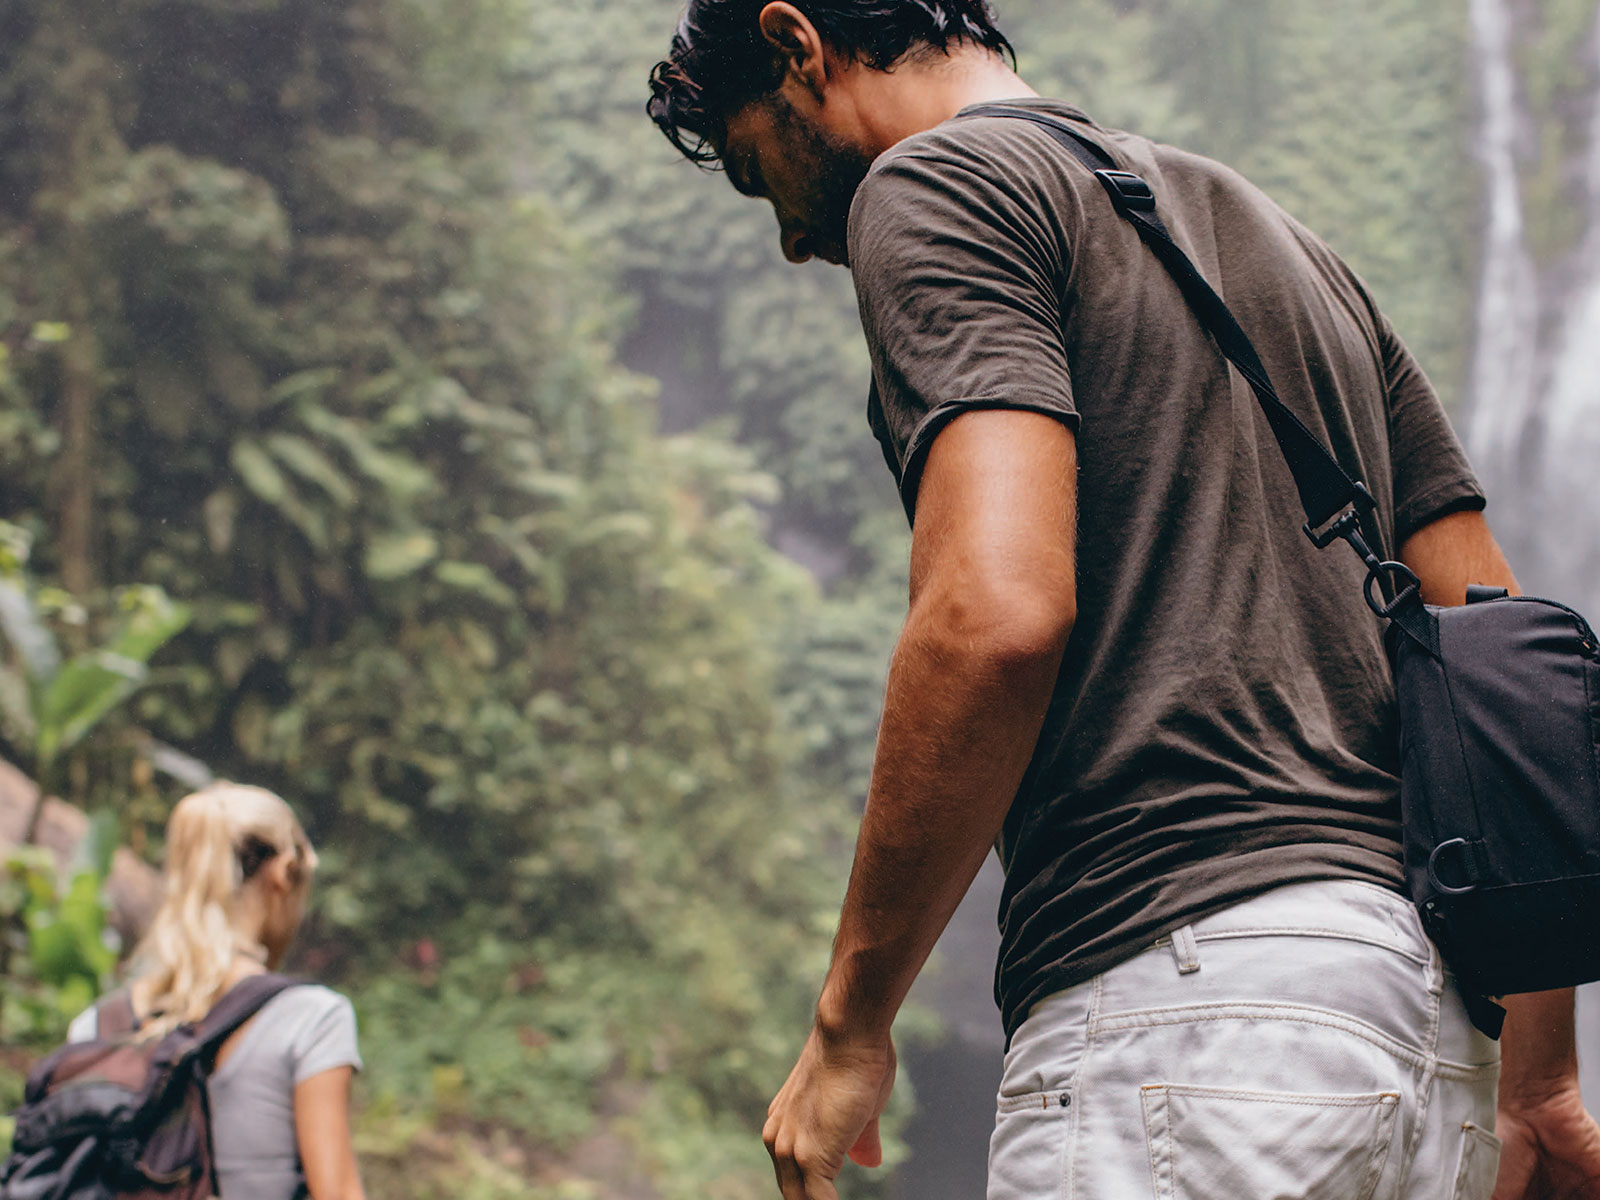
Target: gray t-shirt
<point>1224,720</point>
<point>299,1033</point>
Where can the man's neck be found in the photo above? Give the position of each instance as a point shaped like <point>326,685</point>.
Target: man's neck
<point>919,95</point>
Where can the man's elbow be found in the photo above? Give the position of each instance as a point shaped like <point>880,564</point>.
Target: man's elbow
<point>1008,629</point>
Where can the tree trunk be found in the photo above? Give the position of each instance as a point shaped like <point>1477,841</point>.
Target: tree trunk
<point>76,519</point>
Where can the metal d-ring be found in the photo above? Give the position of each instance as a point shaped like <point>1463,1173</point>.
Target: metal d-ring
<point>1403,595</point>
<point>1433,874</point>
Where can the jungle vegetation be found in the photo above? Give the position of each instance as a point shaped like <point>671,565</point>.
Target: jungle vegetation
<point>522,508</point>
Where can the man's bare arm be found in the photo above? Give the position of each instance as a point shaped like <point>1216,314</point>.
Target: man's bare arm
<point>992,605</point>
<point>1453,552</point>
<point>1552,1148</point>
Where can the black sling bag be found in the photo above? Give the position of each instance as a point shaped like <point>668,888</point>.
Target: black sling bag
<point>1499,701</point>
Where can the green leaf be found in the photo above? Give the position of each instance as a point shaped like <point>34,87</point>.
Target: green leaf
<point>477,579</point>
<point>551,485</point>
<point>16,545</point>
<point>90,685</point>
<point>84,691</point>
<point>304,383</point>
<point>54,949</point>
<point>83,912</point>
<point>99,843</point>
<point>395,555</point>
<point>623,526</point>
<point>150,619</point>
<point>16,707</point>
<point>34,644</point>
<point>402,477</point>
<point>51,332</point>
<point>260,474</point>
<point>312,465</point>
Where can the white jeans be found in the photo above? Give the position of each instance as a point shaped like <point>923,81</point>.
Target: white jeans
<point>1306,1044</point>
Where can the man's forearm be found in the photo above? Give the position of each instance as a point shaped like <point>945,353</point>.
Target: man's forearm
<point>1539,1046</point>
<point>961,717</point>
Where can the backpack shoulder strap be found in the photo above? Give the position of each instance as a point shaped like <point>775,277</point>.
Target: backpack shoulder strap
<point>238,1005</point>
<point>114,1016</point>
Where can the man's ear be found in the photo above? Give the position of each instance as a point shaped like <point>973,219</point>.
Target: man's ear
<point>796,40</point>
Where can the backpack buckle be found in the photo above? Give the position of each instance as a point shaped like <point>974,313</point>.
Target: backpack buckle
<point>1129,192</point>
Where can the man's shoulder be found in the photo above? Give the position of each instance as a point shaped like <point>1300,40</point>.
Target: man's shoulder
<point>1019,157</point>
<point>971,164</point>
<point>975,141</point>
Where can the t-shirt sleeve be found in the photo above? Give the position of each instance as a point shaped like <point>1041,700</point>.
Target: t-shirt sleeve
<point>327,1039</point>
<point>1432,476</point>
<point>958,279</point>
<point>85,1026</point>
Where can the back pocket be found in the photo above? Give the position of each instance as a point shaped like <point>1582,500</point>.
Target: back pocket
<point>1210,1143</point>
<point>1477,1164</point>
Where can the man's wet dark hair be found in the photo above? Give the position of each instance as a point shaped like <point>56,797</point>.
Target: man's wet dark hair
<point>720,61</point>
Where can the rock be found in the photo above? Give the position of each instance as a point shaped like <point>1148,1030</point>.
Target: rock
<point>134,889</point>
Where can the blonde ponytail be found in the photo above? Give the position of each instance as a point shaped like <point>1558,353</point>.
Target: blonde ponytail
<point>184,959</point>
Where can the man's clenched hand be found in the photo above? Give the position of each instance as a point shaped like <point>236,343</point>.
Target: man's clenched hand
<point>829,1108</point>
<point>1552,1150</point>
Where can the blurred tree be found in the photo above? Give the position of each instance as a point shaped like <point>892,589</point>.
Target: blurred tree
<point>288,332</point>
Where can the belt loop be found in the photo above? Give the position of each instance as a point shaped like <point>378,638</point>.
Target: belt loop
<point>1185,951</point>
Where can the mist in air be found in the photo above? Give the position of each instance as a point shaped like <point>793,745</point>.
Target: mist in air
<point>389,417</point>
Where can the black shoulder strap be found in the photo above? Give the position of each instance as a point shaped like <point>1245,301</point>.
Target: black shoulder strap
<point>241,1002</point>
<point>1334,503</point>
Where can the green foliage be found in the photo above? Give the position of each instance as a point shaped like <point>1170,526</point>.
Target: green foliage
<point>515,657</point>
<point>48,704</point>
<point>61,953</point>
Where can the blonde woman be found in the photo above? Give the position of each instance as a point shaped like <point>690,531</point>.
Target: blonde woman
<point>238,872</point>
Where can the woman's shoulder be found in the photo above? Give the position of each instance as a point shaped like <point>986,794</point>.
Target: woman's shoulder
<point>307,1004</point>
<point>317,1026</point>
<point>304,995</point>
<point>303,1029</point>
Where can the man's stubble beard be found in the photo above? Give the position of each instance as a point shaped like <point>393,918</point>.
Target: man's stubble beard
<point>835,169</point>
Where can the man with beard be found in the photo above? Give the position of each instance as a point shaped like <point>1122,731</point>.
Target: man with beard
<point>1123,665</point>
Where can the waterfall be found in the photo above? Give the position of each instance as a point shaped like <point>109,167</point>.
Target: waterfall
<point>1534,422</point>
<point>1533,427</point>
<point>1572,406</point>
<point>1502,377</point>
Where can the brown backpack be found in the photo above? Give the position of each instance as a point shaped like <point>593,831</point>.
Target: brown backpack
<point>118,1118</point>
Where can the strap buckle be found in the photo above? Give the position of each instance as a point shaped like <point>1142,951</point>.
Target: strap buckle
<point>1346,524</point>
<point>1129,192</point>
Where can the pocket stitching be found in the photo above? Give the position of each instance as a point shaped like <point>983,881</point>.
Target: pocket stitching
<point>1153,1099</point>
<point>1226,1010</point>
<point>1323,1100</point>
<point>1470,1133</point>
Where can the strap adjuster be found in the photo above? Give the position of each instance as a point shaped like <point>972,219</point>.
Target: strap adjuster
<point>1128,191</point>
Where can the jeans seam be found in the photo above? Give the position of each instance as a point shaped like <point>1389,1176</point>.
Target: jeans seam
<point>1430,1068</point>
<point>1237,1011</point>
<point>1293,931</point>
<point>1091,1025</point>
